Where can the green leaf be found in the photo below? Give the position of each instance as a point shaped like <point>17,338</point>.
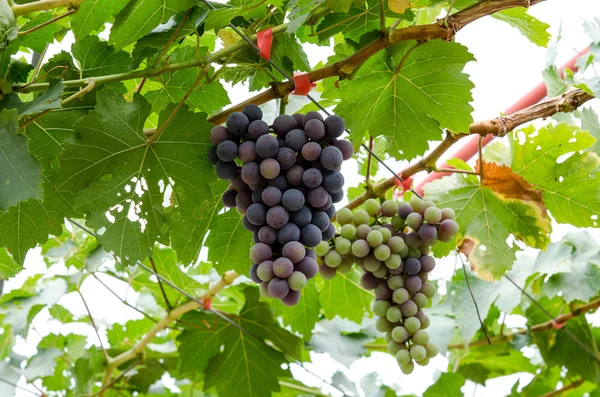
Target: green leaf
<point>139,17</point>
<point>302,317</point>
<point>83,374</point>
<point>343,296</point>
<point>38,39</point>
<point>589,85</point>
<point>47,100</point>
<point>92,14</point>
<point>592,28</point>
<point>159,183</point>
<point>591,123</point>
<point>343,340</point>
<point>98,58</point>
<point>125,336</point>
<point>61,313</point>
<point>555,84</point>
<point>494,361</point>
<point>428,94</point>
<point>229,243</point>
<point>11,375</point>
<point>8,266</point>
<point>20,173</point>
<point>353,24</point>
<point>42,364</point>
<point>571,187</point>
<point>488,217</point>
<point>235,362</point>
<point>8,25</point>
<point>448,385</point>
<point>532,28</point>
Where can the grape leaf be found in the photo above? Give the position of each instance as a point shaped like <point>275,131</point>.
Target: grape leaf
<point>8,26</point>
<point>409,108</point>
<point>10,375</point>
<point>92,14</point>
<point>353,24</point>
<point>343,340</point>
<point>42,364</point>
<point>489,214</point>
<point>571,187</point>
<point>20,173</point>
<point>147,188</point>
<point>343,296</point>
<point>495,361</point>
<point>233,361</point>
<point>8,266</point>
<point>592,28</point>
<point>302,317</point>
<point>448,385</point>
<point>83,374</point>
<point>532,28</point>
<point>47,100</point>
<point>98,58</point>
<point>591,123</point>
<point>39,38</point>
<point>229,243</point>
<point>139,17</point>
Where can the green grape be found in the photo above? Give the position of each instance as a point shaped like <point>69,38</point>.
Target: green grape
<point>420,299</point>
<point>383,325</point>
<point>400,334</point>
<point>394,347</point>
<point>343,216</point>
<point>375,238</point>
<point>393,314</point>
<point>415,203</point>
<point>333,259</point>
<point>371,263</point>
<point>414,253</point>
<point>432,350</point>
<point>264,289</point>
<point>376,227</point>
<point>425,322</point>
<point>348,231</point>
<point>395,282</point>
<point>343,245</point>
<point>372,207</point>
<point>418,353</point>
<point>433,215</point>
<point>396,244</point>
<point>360,217</point>
<point>414,220</point>
<point>380,308</point>
<point>407,369</point>
<point>398,222</point>
<point>393,262</point>
<point>388,337</point>
<point>400,296</point>
<point>360,248</point>
<point>404,252</point>
<point>346,264</point>
<point>385,232</point>
<point>448,213</point>
<point>421,337</point>
<point>382,252</point>
<point>424,249</point>
<point>403,357</point>
<point>423,363</point>
<point>412,325</point>
<point>425,205</point>
<point>389,208</point>
<point>362,231</point>
<point>322,248</point>
<point>297,281</point>
<point>381,272</point>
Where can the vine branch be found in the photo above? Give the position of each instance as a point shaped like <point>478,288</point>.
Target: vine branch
<point>57,18</point>
<point>570,386</point>
<point>22,9</point>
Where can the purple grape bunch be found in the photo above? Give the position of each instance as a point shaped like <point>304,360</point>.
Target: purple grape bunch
<point>284,179</point>
<point>391,243</point>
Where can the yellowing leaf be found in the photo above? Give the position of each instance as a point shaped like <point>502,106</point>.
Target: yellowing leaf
<point>399,6</point>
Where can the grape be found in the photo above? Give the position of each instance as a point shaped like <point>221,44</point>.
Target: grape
<point>414,253</point>
<point>368,281</point>
<point>407,369</point>
<point>428,233</point>
<point>395,282</point>
<point>403,357</point>
<point>264,289</point>
<point>400,296</point>
<point>267,146</point>
<point>327,272</point>
<point>212,155</point>
<point>389,208</point>
<point>292,298</point>
<point>448,213</point>
<point>253,112</point>
<point>413,240</point>
<point>393,262</point>
<point>424,277</point>
<point>333,181</point>
<point>302,217</point>
<point>277,217</point>
<point>237,123</point>
<point>310,235</point>
<point>409,308</point>
<point>278,288</point>
<point>371,264</point>
<point>225,170</point>
<point>219,134</point>
<point>311,151</point>
<point>237,182</point>
<point>432,215</point>
<point>424,249</point>
<point>415,203</point>
<point>280,183</point>
<point>289,232</point>
<point>329,233</point>
<point>315,129</point>
<point>414,220</point>
<point>382,252</point>
<point>321,220</point>
<point>428,289</point>
<point>432,350</point>
<point>267,235</point>
<point>344,216</point>
<point>427,263</point>
<point>383,325</point>
<point>298,117</point>
<point>425,322</point>
<point>400,334</point>
<point>394,347</point>
<point>380,308</point>
<point>269,168</point>
<point>265,271</point>
<point>330,212</point>
<point>421,337</point>
<point>308,266</point>
<point>418,353</point>
<point>297,281</point>
<point>448,230</point>
<point>362,231</point>
<point>360,248</point>
<point>254,275</point>
<point>296,139</point>
<point>286,158</point>
<point>318,197</point>
<point>394,314</point>
<point>312,178</point>
<point>331,158</point>
<point>294,175</point>
<point>228,198</point>
<point>283,267</point>
<point>281,143</point>
<point>382,291</point>
<point>348,231</point>
<point>262,183</point>
<point>338,196</point>
<point>332,259</point>
<point>311,254</point>
<point>412,266</point>
<point>294,251</point>
<point>328,202</point>
<point>292,200</point>
<point>251,173</point>
<point>396,244</point>
<point>256,214</point>
<point>413,284</point>
<point>311,116</point>
<point>345,147</point>
<point>420,300</point>
<point>271,196</point>
<point>385,233</point>
<point>258,128</point>
<point>398,223</point>
<point>283,124</point>
<point>322,248</point>
<point>360,217</point>
<point>412,325</point>
<point>335,126</point>
<point>374,238</point>
<point>260,252</point>
<point>243,200</point>
<point>372,207</point>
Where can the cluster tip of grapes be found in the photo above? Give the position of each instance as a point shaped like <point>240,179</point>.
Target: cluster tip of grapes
<point>284,179</point>
<point>391,243</point>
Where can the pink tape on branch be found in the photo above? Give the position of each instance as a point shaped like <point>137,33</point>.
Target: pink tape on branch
<point>264,41</point>
<point>402,187</point>
<point>302,84</point>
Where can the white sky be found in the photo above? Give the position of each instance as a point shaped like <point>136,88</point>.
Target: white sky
<point>507,66</point>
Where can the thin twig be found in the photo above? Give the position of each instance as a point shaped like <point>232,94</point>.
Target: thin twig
<point>66,14</point>
<point>162,290</point>
<point>115,380</point>
<point>570,386</point>
<point>474,301</point>
<point>282,104</point>
<point>382,17</point>
<point>369,159</point>
<point>312,391</point>
<point>45,74</point>
<point>40,61</point>
<point>480,149</point>
<point>448,13</point>
<point>21,387</point>
<point>93,323</point>
<point>456,171</point>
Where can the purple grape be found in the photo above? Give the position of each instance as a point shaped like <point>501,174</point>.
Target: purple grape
<point>334,126</point>
<point>318,197</point>
<point>267,146</point>
<point>249,225</point>
<point>258,128</point>
<point>413,284</point>
<point>281,143</point>
<point>368,281</point>
<point>292,298</point>
<point>289,232</point>
<point>277,217</point>
<point>311,116</point>
<point>329,233</point>
<point>338,196</point>
<point>237,123</point>
<point>413,240</point>
<point>448,230</point>
<point>225,170</point>
<point>331,158</point>
<point>427,263</point>
<point>280,183</point>
<point>292,200</point>
<point>237,182</point>
<point>283,267</point>
<point>286,158</point>
<point>331,210</point>
<point>333,181</point>
<point>212,155</point>
<point>428,233</point>
<point>315,129</point>
<point>308,266</point>
<point>271,196</point>
<point>253,274</point>
<point>219,134</point>
<point>382,291</point>
<point>294,251</point>
<point>284,124</point>
<point>321,220</point>
<point>294,175</point>
<point>257,196</point>
<point>267,235</point>
<point>310,235</point>
<point>256,214</point>
<point>269,168</point>
<point>260,252</point>
<point>404,210</point>
<point>312,178</point>
<point>278,288</point>
<point>265,271</point>
<point>345,147</point>
<point>298,117</point>
<point>243,200</point>
<point>412,266</point>
<point>260,185</point>
<point>228,198</point>
<point>251,173</point>
<point>409,308</point>
<point>302,217</point>
<point>253,112</point>
<point>311,254</point>
<point>296,139</point>
<point>311,151</point>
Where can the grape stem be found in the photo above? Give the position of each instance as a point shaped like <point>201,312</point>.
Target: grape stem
<point>570,386</point>
<point>369,159</point>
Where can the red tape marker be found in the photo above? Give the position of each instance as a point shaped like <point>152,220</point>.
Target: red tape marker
<point>403,186</point>
<point>207,303</point>
<point>302,84</point>
<point>264,41</point>
<point>557,325</point>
